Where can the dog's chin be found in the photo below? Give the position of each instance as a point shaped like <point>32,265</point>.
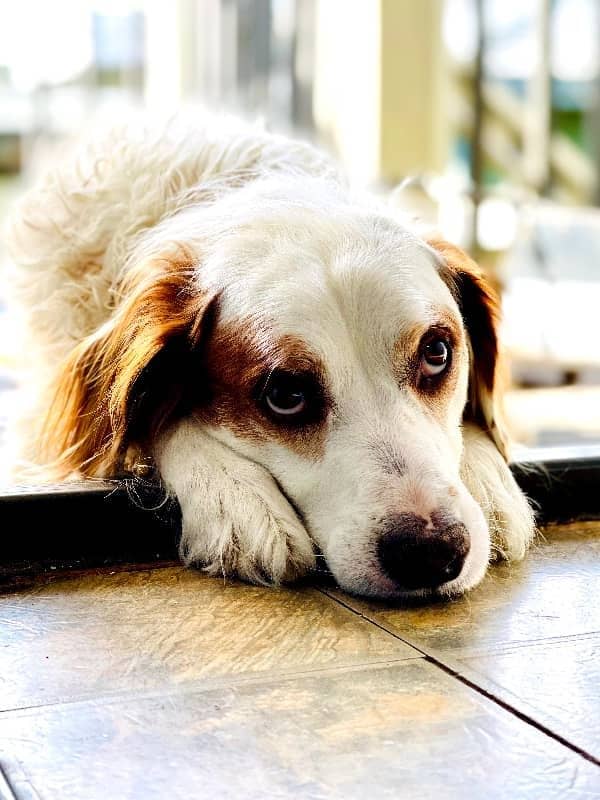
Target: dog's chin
<point>378,587</point>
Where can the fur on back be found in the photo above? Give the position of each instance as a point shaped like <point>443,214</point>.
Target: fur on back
<point>73,237</point>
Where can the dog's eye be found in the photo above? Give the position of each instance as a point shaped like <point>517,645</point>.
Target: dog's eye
<point>435,356</point>
<point>286,395</point>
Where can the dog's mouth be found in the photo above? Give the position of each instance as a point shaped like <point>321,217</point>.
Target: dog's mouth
<point>381,589</point>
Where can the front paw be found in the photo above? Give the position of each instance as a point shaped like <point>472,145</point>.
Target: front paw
<point>489,480</point>
<point>243,526</point>
<point>512,522</point>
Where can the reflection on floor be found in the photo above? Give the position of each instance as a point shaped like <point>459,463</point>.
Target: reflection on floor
<point>164,683</point>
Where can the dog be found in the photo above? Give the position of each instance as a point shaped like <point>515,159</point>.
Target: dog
<point>309,375</point>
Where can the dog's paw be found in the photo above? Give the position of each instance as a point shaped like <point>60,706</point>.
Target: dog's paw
<point>243,526</point>
<point>235,519</point>
<point>511,520</point>
<point>508,512</point>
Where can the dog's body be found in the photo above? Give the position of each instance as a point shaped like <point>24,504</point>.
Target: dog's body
<point>302,369</point>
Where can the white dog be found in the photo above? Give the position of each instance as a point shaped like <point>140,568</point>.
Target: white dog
<point>306,373</point>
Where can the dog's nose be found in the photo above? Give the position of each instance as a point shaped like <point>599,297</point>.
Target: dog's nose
<point>418,556</point>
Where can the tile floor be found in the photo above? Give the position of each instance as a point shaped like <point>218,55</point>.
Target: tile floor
<point>164,683</point>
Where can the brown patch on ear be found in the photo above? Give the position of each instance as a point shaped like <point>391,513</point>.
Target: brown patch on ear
<point>480,308</point>
<point>120,386</point>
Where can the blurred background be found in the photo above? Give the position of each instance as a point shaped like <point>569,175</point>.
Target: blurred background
<point>482,116</point>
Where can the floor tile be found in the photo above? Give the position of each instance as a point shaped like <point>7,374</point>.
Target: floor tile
<point>404,731</point>
<point>555,683</point>
<point>132,631</point>
<point>548,595</point>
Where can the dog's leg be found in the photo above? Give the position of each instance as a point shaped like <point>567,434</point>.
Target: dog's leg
<point>490,482</point>
<point>235,520</point>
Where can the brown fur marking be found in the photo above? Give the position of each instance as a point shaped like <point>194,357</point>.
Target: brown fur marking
<point>104,398</point>
<point>407,366</point>
<point>237,356</point>
<point>480,306</point>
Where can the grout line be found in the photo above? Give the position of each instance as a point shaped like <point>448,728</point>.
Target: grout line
<point>529,720</point>
<point>508,647</point>
<point>455,673</point>
<point>14,784</point>
<point>6,792</point>
<point>204,685</point>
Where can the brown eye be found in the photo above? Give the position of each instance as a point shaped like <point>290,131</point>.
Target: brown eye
<point>288,396</point>
<point>285,396</point>
<point>294,399</point>
<point>435,357</point>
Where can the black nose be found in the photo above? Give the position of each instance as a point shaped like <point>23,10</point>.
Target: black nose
<point>416,556</point>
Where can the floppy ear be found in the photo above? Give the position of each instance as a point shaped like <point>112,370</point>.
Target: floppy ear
<point>122,384</point>
<point>480,307</point>
<point>484,469</point>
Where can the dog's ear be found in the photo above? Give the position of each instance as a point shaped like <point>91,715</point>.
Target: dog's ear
<point>120,386</point>
<point>480,308</point>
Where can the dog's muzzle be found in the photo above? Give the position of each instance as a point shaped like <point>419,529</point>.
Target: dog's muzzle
<point>416,554</point>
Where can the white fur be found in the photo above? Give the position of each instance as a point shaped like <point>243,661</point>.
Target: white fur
<point>276,234</point>
<point>234,516</point>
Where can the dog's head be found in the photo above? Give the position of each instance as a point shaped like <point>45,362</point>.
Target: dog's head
<point>323,341</point>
